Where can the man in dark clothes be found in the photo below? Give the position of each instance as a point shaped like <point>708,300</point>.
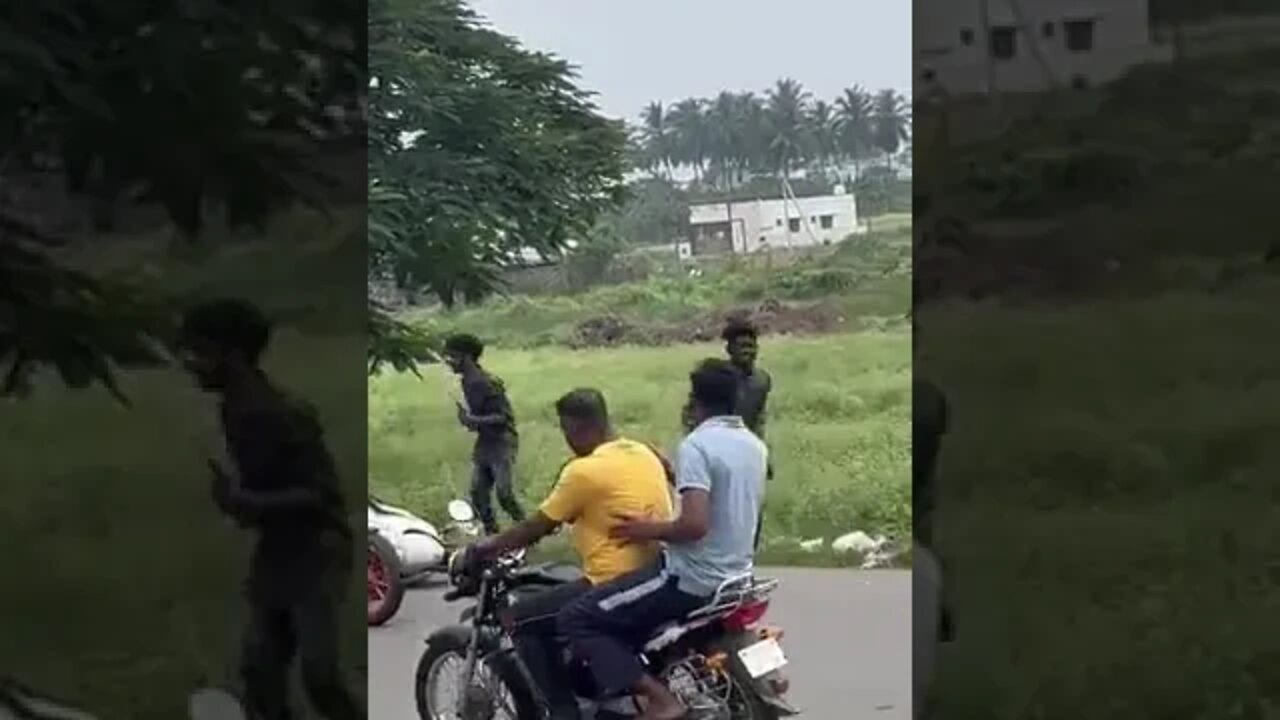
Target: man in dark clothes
<point>742,344</point>
<point>488,414</point>
<point>285,486</point>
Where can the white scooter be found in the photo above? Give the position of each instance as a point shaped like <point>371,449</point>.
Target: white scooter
<point>404,549</point>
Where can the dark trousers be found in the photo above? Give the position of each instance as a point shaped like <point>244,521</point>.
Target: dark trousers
<point>491,472</point>
<point>768,475</point>
<point>293,612</point>
<point>539,643</point>
<point>608,626</point>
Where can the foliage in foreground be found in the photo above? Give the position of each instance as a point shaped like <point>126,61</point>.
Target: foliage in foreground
<point>838,426</point>
<point>101,97</point>
<point>485,147</point>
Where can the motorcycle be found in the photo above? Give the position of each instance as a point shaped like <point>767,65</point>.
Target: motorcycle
<point>404,549</point>
<point>719,660</point>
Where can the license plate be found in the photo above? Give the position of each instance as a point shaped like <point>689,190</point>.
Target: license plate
<point>762,658</point>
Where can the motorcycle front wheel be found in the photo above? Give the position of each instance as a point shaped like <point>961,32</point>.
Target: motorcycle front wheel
<point>497,690</point>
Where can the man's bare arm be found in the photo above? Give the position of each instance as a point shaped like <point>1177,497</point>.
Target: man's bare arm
<point>523,535</point>
<point>690,525</point>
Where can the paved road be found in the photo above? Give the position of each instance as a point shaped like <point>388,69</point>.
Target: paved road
<point>848,637</point>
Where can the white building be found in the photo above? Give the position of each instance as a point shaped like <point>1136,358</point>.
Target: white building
<point>1028,45</point>
<point>755,225</point>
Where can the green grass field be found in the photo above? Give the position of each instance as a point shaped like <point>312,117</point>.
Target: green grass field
<point>838,425</point>
<point>1108,507</point>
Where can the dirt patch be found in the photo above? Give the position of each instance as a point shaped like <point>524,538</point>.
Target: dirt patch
<point>772,317</point>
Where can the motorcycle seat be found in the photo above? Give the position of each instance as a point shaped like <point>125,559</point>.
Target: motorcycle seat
<point>730,596</point>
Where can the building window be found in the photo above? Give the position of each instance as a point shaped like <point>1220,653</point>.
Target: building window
<point>827,221</point>
<point>1079,35</point>
<point>778,222</point>
<point>1048,29</point>
<point>793,224</point>
<point>966,36</point>
<point>1004,43</point>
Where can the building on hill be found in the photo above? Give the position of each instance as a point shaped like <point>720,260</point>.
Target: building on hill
<point>750,226</point>
<point>1000,46</point>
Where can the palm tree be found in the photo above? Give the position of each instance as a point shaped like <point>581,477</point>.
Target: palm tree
<point>822,135</point>
<point>690,144</point>
<point>786,116</point>
<point>854,126</point>
<point>656,135</point>
<point>724,135</point>
<point>891,124</point>
<point>754,148</point>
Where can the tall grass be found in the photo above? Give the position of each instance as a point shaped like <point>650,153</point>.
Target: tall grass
<point>837,427</point>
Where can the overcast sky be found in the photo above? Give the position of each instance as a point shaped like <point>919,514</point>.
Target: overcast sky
<point>634,51</point>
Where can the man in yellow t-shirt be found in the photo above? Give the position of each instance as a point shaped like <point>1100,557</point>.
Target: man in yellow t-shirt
<point>609,477</point>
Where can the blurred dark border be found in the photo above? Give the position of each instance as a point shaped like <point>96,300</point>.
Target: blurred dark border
<point>1095,274</point>
<point>152,157</point>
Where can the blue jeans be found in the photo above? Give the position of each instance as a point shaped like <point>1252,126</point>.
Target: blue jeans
<point>491,473</point>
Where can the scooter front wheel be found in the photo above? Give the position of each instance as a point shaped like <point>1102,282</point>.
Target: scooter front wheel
<point>385,586</point>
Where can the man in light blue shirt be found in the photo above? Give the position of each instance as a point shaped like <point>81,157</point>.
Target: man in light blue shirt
<point>724,459</point>
<point>720,479</point>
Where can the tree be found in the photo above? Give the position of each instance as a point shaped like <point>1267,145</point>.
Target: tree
<point>189,105</point>
<point>588,262</point>
<point>787,105</point>
<point>724,137</point>
<point>891,126</point>
<point>733,137</point>
<point>656,135</point>
<point>822,133</point>
<point>656,213</point>
<point>492,148</point>
<point>692,138</point>
<point>855,127</point>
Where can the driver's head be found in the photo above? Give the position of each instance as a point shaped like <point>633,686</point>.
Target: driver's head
<point>741,342</point>
<point>462,351</point>
<point>220,338</point>
<point>584,420</point>
<point>713,391</point>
